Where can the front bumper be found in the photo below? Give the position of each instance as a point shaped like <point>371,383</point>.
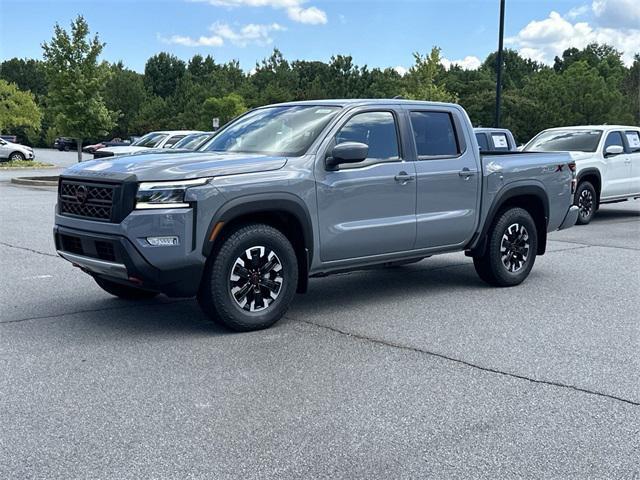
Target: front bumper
<point>570,218</point>
<point>119,252</point>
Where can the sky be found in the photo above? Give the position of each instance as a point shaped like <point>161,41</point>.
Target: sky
<point>375,32</point>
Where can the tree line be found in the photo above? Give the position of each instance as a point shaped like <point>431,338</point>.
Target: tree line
<point>69,92</point>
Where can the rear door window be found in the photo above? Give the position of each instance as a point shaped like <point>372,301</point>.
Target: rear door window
<point>434,134</point>
<point>500,141</point>
<point>633,140</point>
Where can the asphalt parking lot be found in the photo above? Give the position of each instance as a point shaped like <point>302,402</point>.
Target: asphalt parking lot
<point>419,371</point>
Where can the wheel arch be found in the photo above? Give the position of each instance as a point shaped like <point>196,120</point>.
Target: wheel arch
<point>532,198</point>
<point>593,176</point>
<point>283,211</point>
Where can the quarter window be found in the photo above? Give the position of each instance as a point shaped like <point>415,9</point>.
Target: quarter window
<point>434,134</point>
<point>376,129</point>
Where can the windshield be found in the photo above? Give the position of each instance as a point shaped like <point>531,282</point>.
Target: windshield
<point>565,141</point>
<point>193,141</point>
<point>286,131</point>
<point>150,140</point>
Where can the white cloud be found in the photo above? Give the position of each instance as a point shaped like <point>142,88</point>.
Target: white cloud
<point>617,13</point>
<point>402,71</point>
<point>469,62</point>
<point>578,11</point>
<point>294,8</point>
<point>543,40</point>
<point>221,32</point>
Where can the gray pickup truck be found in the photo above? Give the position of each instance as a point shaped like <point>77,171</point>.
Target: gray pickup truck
<point>297,190</point>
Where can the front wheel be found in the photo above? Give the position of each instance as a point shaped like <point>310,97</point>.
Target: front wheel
<point>124,291</point>
<point>16,157</point>
<point>511,249</point>
<point>587,201</point>
<point>250,280</point>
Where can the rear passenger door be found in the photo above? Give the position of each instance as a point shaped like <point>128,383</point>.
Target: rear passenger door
<point>448,179</point>
<point>632,138</point>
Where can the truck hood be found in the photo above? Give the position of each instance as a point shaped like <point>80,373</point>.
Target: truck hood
<point>576,156</point>
<point>177,165</point>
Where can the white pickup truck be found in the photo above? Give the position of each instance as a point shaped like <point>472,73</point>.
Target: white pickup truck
<point>607,160</point>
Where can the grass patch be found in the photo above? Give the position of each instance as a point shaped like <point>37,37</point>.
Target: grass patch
<point>24,164</point>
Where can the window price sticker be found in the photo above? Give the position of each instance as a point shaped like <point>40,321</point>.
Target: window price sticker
<point>633,139</point>
<point>500,141</point>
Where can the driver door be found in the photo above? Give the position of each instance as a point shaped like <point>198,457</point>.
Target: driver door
<point>367,208</point>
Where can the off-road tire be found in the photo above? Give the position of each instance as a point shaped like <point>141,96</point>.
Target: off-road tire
<point>586,200</point>
<point>491,266</point>
<point>215,295</point>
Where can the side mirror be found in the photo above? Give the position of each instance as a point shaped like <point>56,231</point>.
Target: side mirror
<point>613,150</point>
<point>347,152</point>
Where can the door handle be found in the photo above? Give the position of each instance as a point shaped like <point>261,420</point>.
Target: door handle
<point>404,178</point>
<point>466,173</point>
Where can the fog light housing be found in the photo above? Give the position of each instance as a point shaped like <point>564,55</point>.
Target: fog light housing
<point>163,241</point>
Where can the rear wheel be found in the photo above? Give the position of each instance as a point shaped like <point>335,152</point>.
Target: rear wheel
<point>511,249</point>
<point>586,200</point>
<point>124,291</point>
<point>251,279</point>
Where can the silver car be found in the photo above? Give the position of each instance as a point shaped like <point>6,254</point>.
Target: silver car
<point>14,151</point>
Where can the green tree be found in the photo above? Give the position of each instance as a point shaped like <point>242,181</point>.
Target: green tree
<point>162,72</point>
<point>124,95</point>
<point>75,83</point>
<point>424,81</point>
<point>18,111</point>
<point>631,88</point>
<point>27,74</point>
<point>225,108</point>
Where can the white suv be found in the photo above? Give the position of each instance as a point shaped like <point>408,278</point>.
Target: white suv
<point>14,151</point>
<point>607,159</point>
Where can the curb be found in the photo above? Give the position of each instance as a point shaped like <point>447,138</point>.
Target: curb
<point>14,169</point>
<point>36,181</point>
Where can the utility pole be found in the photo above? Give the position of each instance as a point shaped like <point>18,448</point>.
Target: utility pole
<point>499,66</point>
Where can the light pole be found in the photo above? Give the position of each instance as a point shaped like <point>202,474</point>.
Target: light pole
<point>499,66</point>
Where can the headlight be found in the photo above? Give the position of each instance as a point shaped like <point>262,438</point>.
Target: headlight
<point>165,194</point>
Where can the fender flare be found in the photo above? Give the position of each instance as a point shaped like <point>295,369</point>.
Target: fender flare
<point>264,203</point>
<point>501,198</point>
<point>591,171</point>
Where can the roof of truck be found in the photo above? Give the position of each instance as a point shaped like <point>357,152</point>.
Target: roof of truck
<point>595,127</point>
<point>344,102</point>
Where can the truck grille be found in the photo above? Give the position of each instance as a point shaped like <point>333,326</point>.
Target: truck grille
<point>85,199</point>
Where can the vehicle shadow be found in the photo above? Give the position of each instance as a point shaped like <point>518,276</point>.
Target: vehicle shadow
<point>387,285</point>
<point>615,212</point>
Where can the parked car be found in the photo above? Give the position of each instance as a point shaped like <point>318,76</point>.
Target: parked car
<point>194,142</point>
<point>607,159</point>
<point>65,143</point>
<point>114,142</point>
<point>296,190</point>
<point>190,143</point>
<point>495,140</point>
<point>14,151</point>
<point>165,139</point>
